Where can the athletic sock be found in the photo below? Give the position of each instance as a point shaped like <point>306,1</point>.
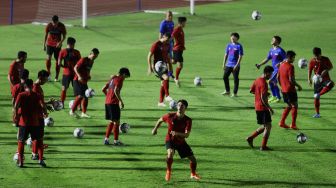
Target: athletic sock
<point>76,103</point>
<point>85,103</point>
<point>178,70</point>
<point>63,95</point>
<point>325,90</point>
<point>57,68</point>
<point>264,141</point>
<point>34,146</point>
<point>116,131</point>
<point>284,115</point>
<point>255,134</point>
<point>40,149</point>
<point>166,87</point>
<point>294,115</point>
<point>193,167</point>
<point>169,163</point>
<point>162,94</point>
<point>317,105</point>
<point>48,65</point>
<point>108,130</point>
<point>20,150</point>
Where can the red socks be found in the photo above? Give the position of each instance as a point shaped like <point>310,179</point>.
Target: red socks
<point>34,146</point>
<point>264,141</point>
<point>48,65</point>
<point>166,87</point>
<point>63,95</point>
<point>294,115</point>
<point>193,167</point>
<point>40,149</point>
<point>85,103</point>
<point>178,70</point>
<point>255,134</point>
<point>285,114</point>
<point>109,130</point>
<point>326,89</point>
<point>169,163</point>
<point>20,150</point>
<point>76,103</point>
<point>58,68</point>
<point>317,105</point>
<point>162,93</point>
<point>116,131</point>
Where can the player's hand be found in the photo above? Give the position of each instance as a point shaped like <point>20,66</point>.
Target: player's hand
<point>258,66</point>
<point>173,133</point>
<point>310,82</point>
<point>235,68</point>
<point>299,87</point>
<point>271,111</point>
<point>44,47</point>
<point>154,131</point>
<point>59,45</point>
<point>121,104</point>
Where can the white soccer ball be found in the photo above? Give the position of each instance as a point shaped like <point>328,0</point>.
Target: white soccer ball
<point>71,103</point>
<point>90,93</point>
<point>301,138</point>
<point>173,105</point>
<point>48,122</point>
<point>124,128</point>
<point>256,15</point>
<point>317,79</point>
<point>198,81</point>
<point>29,142</point>
<point>302,63</point>
<point>57,105</point>
<point>78,133</point>
<point>160,67</point>
<point>16,157</point>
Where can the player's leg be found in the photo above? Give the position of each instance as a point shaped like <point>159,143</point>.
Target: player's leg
<point>254,135</point>
<point>273,83</point>
<point>65,85</point>
<point>294,104</point>
<point>50,51</point>
<point>109,127</point>
<point>193,166</point>
<point>317,90</point>
<point>227,72</point>
<point>178,58</point>
<point>22,137</point>
<point>236,82</point>
<point>328,86</point>
<point>116,140</point>
<point>286,111</point>
<point>266,135</point>
<point>162,94</point>
<point>57,67</point>
<point>169,159</point>
<point>165,84</point>
<point>84,104</point>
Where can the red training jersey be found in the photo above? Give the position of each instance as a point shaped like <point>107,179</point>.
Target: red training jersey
<point>84,66</point>
<point>160,51</point>
<point>320,65</point>
<point>70,57</point>
<point>259,88</point>
<point>182,125</point>
<point>178,35</point>
<point>38,90</point>
<point>29,102</point>
<point>14,72</point>
<point>285,75</point>
<point>54,33</point>
<point>17,88</point>
<point>115,82</point>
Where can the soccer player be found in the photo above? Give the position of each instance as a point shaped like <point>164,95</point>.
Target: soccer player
<point>231,64</point>
<point>55,34</point>
<point>263,110</point>
<point>82,76</point>
<point>70,56</point>
<point>179,127</point>
<point>19,88</point>
<point>277,55</point>
<point>179,47</point>
<point>321,66</point>
<point>29,119</point>
<point>160,52</point>
<point>113,104</point>
<point>288,83</point>
<point>16,68</point>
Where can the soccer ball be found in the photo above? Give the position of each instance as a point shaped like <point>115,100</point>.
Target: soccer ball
<point>78,133</point>
<point>29,142</point>
<point>160,67</point>
<point>16,157</point>
<point>317,79</point>
<point>124,128</point>
<point>90,93</point>
<point>256,15</point>
<point>57,105</point>
<point>48,122</point>
<point>198,81</point>
<point>302,63</point>
<point>301,138</point>
<point>173,105</point>
<point>71,103</point>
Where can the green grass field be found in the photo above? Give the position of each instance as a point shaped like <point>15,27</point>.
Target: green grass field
<point>220,124</point>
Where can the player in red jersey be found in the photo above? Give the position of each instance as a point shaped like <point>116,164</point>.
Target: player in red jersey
<point>28,120</point>
<point>159,53</point>
<point>16,68</point>
<point>179,127</point>
<point>70,56</point>
<point>262,108</point>
<point>113,104</point>
<point>179,47</point>
<point>55,34</point>
<point>321,66</point>
<point>82,76</point>
<point>287,82</point>
<point>19,88</point>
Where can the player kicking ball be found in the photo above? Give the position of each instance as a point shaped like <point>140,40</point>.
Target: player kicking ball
<point>179,127</point>
<point>262,108</point>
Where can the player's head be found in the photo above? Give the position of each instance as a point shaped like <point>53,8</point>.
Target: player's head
<point>24,75</point>
<point>71,42</point>
<point>290,54</point>
<point>268,71</point>
<point>165,37</point>
<point>43,75</point>
<point>124,72</point>
<point>169,15</point>
<point>22,56</point>
<point>55,19</point>
<point>29,84</point>
<point>276,40</point>
<point>94,53</point>
<point>182,105</point>
<point>317,51</point>
<point>182,21</point>
<point>234,37</point>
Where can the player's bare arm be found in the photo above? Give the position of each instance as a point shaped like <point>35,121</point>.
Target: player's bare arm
<point>77,73</point>
<point>149,63</point>
<point>157,125</point>
<point>309,77</point>
<point>180,135</point>
<point>264,100</point>
<point>262,63</point>
<point>225,60</point>
<point>117,93</point>
<point>238,63</point>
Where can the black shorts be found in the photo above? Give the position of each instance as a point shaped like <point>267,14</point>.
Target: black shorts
<point>112,112</point>
<point>36,132</point>
<point>263,117</point>
<point>183,149</point>
<point>320,86</point>
<point>79,88</point>
<point>53,50</point>
<point>290,97</point>
<point>178,56</point>
<point>66,80</point>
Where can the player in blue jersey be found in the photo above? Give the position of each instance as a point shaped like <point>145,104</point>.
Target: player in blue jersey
<point>167,26</point>
<point>231,64</point>
<point>277,55</point>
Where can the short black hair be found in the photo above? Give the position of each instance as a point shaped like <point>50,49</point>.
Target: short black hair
<point>124,71</point>
<point>277,38</point>
<point>235,34</point>
<point>54,18</point>
<point>95,51</point>
<point>167,34</point>
<point>24,74</point>
<point>268,69</point>
<point>317,51</point>
<point>21,54</point>
<point>290,53</point>
<point>43,74</point>
<point>29,83</point>
<point>71,40</point>
<point>184,102</point>
<point>181,19</point>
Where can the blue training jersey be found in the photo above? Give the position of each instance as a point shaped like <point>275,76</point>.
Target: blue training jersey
<point>277,55</point>
<point>233,51</point>
<point>166,27</point>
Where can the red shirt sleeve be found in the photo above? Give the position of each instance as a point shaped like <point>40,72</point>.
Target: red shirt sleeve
<point>153,48</point>
<point>47,28</point>
<point>328,64</point>
<point>165,118</point>
<point>252,89</point>
<point>291,71</point>
<point>188,125</point>
<point>105,87</point>
<point>311,65</point>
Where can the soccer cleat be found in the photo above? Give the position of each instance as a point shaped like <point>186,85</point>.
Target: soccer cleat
<point>234,95</point>
<point>168,175</point>
<point>195,176</point>
<point>118,143</point>
<point>316,116</point>
<point>272,98</point>
<point>74,114</point>
<point>161,104</point>
<point>84,115</point>
<point>294,127</point>
<point>225,93</point>
<point>106,142</point>
<point>177,82</point>
<point>250,142</point>
<point>42,163</point>
<point>265,148</point>
<point>34,157</point>
<point>168,99</point>
<point>19,163</point>
<point>276,100</point>
<point>49,79</point>
<point>56,80</point>
<point>283,125</point>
